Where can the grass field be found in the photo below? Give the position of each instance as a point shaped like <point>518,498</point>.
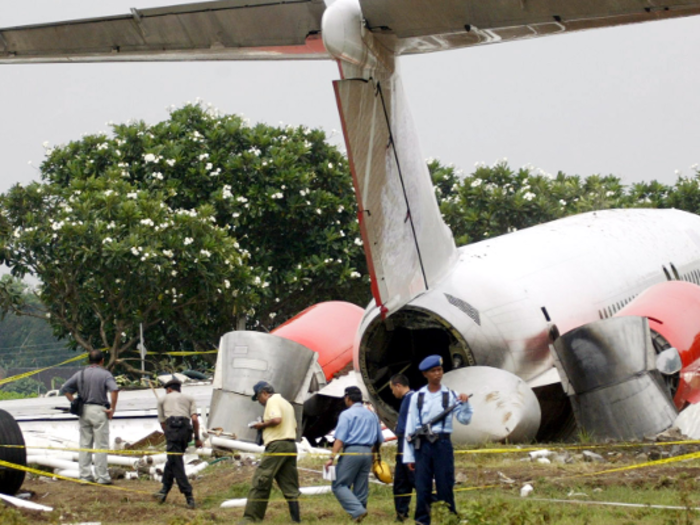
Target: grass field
<point>568,491</point>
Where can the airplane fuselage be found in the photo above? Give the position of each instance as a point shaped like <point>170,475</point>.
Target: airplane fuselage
<point>503,298</point>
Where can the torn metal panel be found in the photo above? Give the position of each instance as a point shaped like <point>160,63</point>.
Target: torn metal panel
<point>609,371</point>
<point>248,357</point>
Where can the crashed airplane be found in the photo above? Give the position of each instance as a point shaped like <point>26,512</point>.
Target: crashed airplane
<point>592,319</point>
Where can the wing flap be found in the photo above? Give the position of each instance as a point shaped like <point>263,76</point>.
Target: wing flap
<point>204,31</point>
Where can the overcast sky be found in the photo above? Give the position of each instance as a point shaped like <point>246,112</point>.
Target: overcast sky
<point>622,101</point>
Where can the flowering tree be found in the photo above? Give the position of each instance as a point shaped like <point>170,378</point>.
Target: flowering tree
<point>187,226</point>
<point>494,200</point>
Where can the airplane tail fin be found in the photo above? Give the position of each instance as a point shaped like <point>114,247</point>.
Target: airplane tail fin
<point>408,246</point>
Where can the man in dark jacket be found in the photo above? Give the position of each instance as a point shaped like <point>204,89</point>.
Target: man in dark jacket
<point>404,478</point>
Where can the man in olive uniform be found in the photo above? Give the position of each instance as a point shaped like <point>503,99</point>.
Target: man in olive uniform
<point>279,432</point>
<point>175,410</point>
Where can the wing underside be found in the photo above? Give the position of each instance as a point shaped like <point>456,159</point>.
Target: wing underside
<point>223,30</point>
<point>284,30</point>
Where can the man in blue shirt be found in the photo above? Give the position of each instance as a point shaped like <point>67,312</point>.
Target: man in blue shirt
<point>358,434</point>
<point>404,480</point>
<point>433,460</point>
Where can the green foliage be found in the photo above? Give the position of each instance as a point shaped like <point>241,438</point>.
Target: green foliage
<point>496,200</point>
<point>27,387</point>
<point>10,516</point>
<point>186,226</point>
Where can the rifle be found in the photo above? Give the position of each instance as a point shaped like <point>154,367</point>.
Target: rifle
<point>425,431</point>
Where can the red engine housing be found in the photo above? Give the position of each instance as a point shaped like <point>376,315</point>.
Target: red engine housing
<point>673,310</point>
<point>329,330</point>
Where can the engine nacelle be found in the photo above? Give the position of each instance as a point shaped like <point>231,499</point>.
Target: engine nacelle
<point>673,311</point>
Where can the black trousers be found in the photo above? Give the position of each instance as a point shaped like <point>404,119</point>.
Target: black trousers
<point>434,461</point>
<point>178,433</point>
<point>404,482</point>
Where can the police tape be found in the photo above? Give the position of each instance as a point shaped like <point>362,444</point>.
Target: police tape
<point>43,473</point>
<point>326,455</point>
<point>664,461</point>
<point>12,379</point>
<point>38,370</point>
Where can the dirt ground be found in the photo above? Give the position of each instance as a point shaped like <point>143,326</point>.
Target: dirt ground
<point>130,501</point>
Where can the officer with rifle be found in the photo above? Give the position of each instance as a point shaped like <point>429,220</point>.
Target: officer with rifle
<point>428,447</point>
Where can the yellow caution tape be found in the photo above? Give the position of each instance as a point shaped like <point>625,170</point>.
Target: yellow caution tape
<point>33,372</point>
<point>65,478</point>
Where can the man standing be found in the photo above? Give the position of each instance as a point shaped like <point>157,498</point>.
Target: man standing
<point>358,435</point>
<point>92,384</point>
<point>279,432</point>
<point>433,460</point>
<point>174,413</point>
<point>404,479</point>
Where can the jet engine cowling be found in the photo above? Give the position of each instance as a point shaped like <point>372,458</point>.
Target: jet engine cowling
<point>673,311</point>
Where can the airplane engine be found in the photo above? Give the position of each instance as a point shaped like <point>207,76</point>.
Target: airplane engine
<point>628,375</point>
<point>673,311</point>
<point>298,359</point>
<point>248,357</point>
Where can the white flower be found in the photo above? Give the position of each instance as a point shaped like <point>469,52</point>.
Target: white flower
<point>242,199</point>
<point>227,284</point>
<point>277,195</point>
<point>203,156</point>
<point>173,273</point>
<point>358,241</point>
<point>226,192</point>
<point>476,183</point>
<point>108,193</point>
<point>205,253</point>
<point>132,195</point>
<point>355,275</point>
<point>609,193</point>
<point>209,166</point>
<point>562,202</point>
<point>147,222</point>
<point>318,211</point>
<point>106,240</point>
<point>168,253</point>
<point>529,196</point>
<point>170,162</point>
<point>134,250</point>
<point>158,175</point>
<point>149,157</point>
<point>330,165</point>
<point>188,241</point>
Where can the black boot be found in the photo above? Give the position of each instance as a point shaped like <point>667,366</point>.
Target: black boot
<point>190,502</point>
<point>294,512</point>
<point>161,495</point>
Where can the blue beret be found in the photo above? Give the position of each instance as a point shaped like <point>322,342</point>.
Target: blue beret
<point>430,362</point>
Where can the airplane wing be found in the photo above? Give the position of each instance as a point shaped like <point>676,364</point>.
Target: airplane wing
<point>290,29</point>
<point>221,30</point>
<point>421,26</point>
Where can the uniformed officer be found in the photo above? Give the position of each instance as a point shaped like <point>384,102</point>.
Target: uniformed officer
<point>358,434</point>
<point>433,460</point>
<point>175,410</point>
<point>404,479</point>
